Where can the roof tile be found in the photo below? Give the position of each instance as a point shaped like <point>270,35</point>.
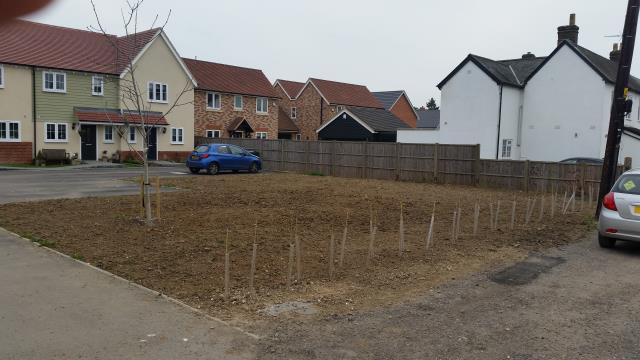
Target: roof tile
<point>346,94</point>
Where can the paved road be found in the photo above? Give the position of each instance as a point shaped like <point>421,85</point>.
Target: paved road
<point>578,302</point>
<point>52,307</point>
<point>33,185</point>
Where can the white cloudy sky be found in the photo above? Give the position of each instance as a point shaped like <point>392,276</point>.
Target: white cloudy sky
<point>384,44</point>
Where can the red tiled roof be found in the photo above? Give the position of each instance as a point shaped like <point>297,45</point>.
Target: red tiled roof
<point>29,43</point>
<point>285,124</point>
<point>347,94</point>
<point>291,88</point>
<point>230,79</point>
<point>114,116</point>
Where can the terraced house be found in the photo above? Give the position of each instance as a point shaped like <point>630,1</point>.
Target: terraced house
<point>233,101</point>
<point>70,89</point>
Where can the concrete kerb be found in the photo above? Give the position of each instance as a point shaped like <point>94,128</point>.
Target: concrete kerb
<point>146,289</point>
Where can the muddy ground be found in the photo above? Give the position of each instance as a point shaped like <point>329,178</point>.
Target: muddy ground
<point>182,255</point>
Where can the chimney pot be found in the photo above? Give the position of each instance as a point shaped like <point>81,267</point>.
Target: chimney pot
<point>614,55</point>
<point>528,55</point>
<point>569,32</point>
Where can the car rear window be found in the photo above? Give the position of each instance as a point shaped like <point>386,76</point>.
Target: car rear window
<point>202,149</point>
<point>628,184</point>
<point>223,150</point>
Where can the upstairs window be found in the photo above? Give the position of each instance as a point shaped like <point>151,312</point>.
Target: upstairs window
<point>506,148</point>
<point>1,76</point>
<point>262,105</point>
<point>214,101</point>
<point>9,131</point>
<point>54,81</point>
<point>237,102</point>
<point>213,133</point>
<point>294,112</point>
<point>97,85</point>
<point>157,92</point>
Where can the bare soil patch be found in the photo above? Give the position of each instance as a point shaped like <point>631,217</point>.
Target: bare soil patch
<point>183,254</point>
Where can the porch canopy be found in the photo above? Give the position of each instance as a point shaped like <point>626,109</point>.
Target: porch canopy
<point>240,125</point>
<point>119,117</point>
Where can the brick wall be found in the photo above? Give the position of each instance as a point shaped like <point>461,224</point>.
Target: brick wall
<point>178,156</point>
<point>219,119</point>
<point>403,110</point>
<point>16,152</point>
<point>309,105</point>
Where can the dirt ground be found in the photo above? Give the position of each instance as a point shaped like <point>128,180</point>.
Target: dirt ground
<point>182,255</point>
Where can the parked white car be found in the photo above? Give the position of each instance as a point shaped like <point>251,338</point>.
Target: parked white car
<point>620,214</point>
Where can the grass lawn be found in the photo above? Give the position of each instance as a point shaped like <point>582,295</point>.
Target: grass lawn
<point>182,255</point>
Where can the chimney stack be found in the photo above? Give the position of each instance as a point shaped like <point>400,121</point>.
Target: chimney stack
<point>569,32</point>
<point>614,55</point>
<point>528,55</point>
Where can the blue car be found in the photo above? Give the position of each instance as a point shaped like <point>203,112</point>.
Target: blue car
<point>220,157</point>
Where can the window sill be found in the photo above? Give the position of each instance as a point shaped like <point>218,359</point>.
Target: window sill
<point>177,143</point>
<point>54,91</point>
<point>238,109</point>
<point>57,141</point>
<point>108,142</point>
<point>157,102</point>
<point>92,94</point>
<point>214,109</point>
<point>10,140</point>
<point>262,113</point>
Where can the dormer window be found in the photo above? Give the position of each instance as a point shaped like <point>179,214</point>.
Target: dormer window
<point>54,81</point>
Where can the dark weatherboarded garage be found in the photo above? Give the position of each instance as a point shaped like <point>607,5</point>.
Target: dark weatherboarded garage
<point>362,124</point>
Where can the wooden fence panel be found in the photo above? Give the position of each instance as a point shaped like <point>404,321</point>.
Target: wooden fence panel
<point>442,163</point>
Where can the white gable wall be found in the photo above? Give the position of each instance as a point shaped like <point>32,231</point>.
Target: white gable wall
<point>563,110</point>
<point>469,111</point>
<point>511,104</point>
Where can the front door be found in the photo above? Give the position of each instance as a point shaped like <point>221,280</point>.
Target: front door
<point>152,154</point>
<point>88,146</point>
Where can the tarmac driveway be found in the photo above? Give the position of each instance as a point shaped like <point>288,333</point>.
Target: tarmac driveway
<point>33,185</point>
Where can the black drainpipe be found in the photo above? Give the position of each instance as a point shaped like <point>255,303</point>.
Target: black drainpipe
<point>499,122</point>
<point>33,97</point>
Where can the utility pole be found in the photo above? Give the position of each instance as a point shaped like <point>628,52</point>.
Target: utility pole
<point>618,107</point>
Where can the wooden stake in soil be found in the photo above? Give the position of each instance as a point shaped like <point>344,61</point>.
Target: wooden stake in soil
<point>581,198</point>
<point>254,255</point>
<point>298,259</point>
<point>526,213</point>
<point>530,210</point>
<point>158,197</point>
<point>495,224</point>
<point>541,214</point>
<point>332,253</point>
<point>458,226</point>
<point>290,265</point>
<point>227,290</point>
<point>141,196</point>
<point>513,215</point>
<point>564,200</point>
<point>430,233</point>
<point>491,216</point>
<point>476,216</point>
<point>569,202</point>
<point>590,194</point>
<point>453,225</point>
<point>573,203</point>
<point>344,240</point>
<point>401,235</point>
<point>372,240</point>
<point>553,205</point>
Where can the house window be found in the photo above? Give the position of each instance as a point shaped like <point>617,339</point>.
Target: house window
<point>132,135</point>
<point>298,137</point>
<point>176,135</point>
<point>294,112</point>
<point>9,131</point>
<point>339,108</point>
<point>506,148</point>
<point>108,134</point>
<point>214,101</point>
<point>1,76</point>
<point>262,105</point>
<point>97,85</point>
<point>237,102</point>
<point>55,132</point>
<point>213,133</point>
<point>261,135</point>
<point>157,92</point>
<point>54,81</point>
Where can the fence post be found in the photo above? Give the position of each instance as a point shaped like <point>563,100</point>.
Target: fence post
<point>281,155</point>
<point>365,161</point>
<point>435,162</point>
<point>526,176</point>
<point>333,159</point>
<point>583,170</point>
<point>397,161</point>
<point>477,164</point>
<point>307,157</point>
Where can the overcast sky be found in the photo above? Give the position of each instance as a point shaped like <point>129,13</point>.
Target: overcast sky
<point>383,44</point>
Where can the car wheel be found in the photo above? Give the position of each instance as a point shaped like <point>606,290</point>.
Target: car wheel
<point>606,242</point>
<point>212,169</point>
<point>194,170</point>
<point>253,168</point>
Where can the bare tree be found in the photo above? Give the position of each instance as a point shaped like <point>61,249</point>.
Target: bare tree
<point>136,112</point>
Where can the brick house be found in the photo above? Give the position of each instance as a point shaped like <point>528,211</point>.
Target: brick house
<point>399,104</point>
<point>232,101</point>
<point>288,90</point>
<point>318,101</point>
